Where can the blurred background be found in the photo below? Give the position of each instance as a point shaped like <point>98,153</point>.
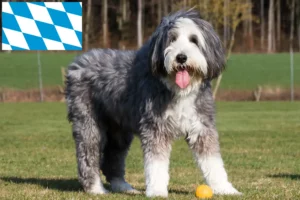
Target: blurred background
<point>262,39</point>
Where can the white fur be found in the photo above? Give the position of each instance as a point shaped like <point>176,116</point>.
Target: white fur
<point>97,187</point>
<point>187,25</point>
<point>157,176</point>
<point>76,73</point>
<point>120,185</point>
<point>185,116</point>
<point>185,28</point>
<point>215,175</point>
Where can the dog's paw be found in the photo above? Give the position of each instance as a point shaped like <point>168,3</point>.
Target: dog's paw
<point>118,185</point>
<point>133,191</point>
<point>97,190</point>
<point>225,189</point>
<point>156,193</point>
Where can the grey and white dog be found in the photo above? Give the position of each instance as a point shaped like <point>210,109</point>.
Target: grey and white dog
<point>160,92</point>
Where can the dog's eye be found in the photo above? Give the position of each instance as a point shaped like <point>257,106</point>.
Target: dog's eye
<point>194,39</point>
<point>173,39</point>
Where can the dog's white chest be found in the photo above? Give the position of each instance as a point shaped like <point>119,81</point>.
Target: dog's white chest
<point>183,116</point>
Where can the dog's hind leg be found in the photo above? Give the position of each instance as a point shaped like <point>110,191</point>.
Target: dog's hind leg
<point>113,163</point>
<point>88,140</point>
<point>88,133</point>
<point>89,137</point>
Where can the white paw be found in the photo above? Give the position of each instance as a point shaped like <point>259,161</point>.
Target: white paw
<point>97,190</point>
<point>97,187</point>
<point>225,189</point>
<point>118,185</point>
<point>158,192</point>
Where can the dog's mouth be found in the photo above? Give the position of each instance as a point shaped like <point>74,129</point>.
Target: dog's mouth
<point>183,74</point>
<point>182,78</point>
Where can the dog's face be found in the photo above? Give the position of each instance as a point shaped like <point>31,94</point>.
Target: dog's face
<point>185,51</point>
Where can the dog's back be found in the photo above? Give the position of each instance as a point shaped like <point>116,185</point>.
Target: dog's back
<point>98,69</point>
<point>96,62</point>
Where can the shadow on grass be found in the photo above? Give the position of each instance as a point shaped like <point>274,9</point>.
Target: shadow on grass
<point>289,176</point>
<point>71,185</point>
<point>172,191</point>
<point>66,185</point>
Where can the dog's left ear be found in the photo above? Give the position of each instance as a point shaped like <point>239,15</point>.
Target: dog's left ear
<point>156,52</point>
<point>214,51</point>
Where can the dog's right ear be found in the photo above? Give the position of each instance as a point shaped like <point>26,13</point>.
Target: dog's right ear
<point>155,56</point>
<point>156,52</point>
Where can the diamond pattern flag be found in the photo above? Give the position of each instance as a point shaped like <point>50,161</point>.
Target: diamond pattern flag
<point>41,26</point>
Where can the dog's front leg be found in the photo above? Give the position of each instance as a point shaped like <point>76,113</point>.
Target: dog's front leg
<point>205,147</point>
<point>156,163</point>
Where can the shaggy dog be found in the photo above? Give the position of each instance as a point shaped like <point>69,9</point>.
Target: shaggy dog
<point>160,92</point>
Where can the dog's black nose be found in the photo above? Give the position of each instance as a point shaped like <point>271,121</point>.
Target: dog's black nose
<point>181,58</point>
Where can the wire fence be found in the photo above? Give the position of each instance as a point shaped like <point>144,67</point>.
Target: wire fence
<point>39,76</point>
<point>33,76</point>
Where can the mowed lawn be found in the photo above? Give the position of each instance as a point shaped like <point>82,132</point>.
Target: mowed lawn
<point>259,142</point>
<point>245,71</point>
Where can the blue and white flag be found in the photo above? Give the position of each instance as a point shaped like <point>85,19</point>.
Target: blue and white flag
<point>41,26</point>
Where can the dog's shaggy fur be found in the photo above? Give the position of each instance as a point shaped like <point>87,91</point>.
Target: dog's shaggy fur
<point>159,92</point>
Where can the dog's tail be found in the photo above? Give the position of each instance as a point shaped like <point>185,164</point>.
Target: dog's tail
<point>76,90</point>
<point>79,76</point>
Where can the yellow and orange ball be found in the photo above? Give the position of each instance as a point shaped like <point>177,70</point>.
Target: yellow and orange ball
<point>204,192</point>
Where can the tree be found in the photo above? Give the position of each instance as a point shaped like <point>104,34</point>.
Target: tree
<point>158,11</point>
<point>87,25</point>
<point>205,5</point>
<point>238,13</point>
<point>250,22</point>
<point>292,2</point>
<point>104,23</point>
<point>165,5</point>
<point>262,24</point>
<point>278,12</point>
<point>225,23</point>
<point>298,23</point>
<point>247,29</point>
<point>124,10</point>
<point>172,2</point>
<point>291,47</point>
<point>152,9</point>
<point>271,27</point>
<point>139,24</point>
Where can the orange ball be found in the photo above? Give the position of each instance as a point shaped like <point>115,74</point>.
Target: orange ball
<point>204,192</point>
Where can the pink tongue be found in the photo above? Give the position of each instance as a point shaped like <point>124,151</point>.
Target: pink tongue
<point>182,79</point>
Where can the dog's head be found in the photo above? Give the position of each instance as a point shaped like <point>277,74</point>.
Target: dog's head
<point>185,50</point>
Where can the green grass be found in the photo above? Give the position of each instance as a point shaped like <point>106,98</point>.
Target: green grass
<point>20,70</point>
<point>259,142</point>
<point>244,71</point>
